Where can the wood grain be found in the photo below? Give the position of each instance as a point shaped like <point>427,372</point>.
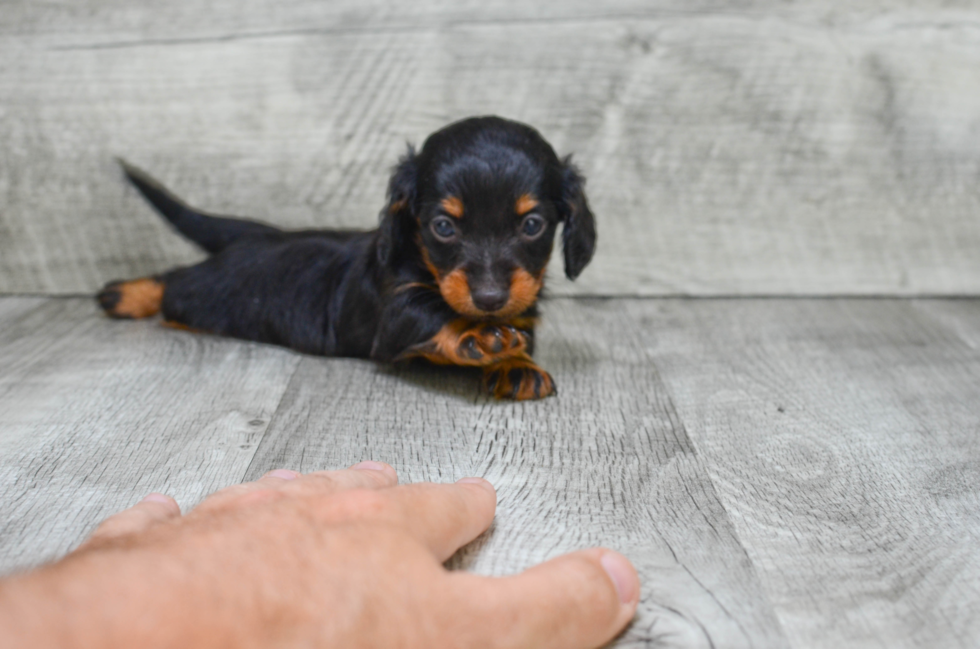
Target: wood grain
<point>95,414</point>
<point>842,436</point>
<point>607,462</point>
<point>763,148</point>
<point>797,473</point>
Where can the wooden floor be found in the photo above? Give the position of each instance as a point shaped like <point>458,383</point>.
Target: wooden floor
<point>783,472</point>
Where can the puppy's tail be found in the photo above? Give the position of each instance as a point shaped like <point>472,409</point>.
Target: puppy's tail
<point>213,233</point>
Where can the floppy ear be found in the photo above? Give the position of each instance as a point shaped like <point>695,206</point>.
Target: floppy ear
<point>578,236</point>
<point>395,228</point>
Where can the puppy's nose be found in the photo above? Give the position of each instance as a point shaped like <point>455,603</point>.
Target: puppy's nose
<point>490,298</point>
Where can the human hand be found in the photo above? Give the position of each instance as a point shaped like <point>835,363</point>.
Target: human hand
<point>334,559</point>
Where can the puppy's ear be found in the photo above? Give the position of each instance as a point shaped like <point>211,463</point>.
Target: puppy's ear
<point>395,228</point>
<point>578,236</point>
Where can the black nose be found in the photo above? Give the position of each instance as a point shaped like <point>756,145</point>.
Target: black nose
<point>489,298</point>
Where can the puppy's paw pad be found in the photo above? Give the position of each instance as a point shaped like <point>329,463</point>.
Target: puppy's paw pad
<point>469,347</point>
<point>491,340</point>
<point>139,298</point>
<point>519,380</point>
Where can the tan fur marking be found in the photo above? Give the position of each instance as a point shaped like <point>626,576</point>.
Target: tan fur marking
<point>524,289</point>
<point>139,298</point>
<point>444,344</point>
<point>455,289</point>
<point>525,204</point>
<point>397,206</point>
<point>453,206</point>
<point>429,266</point>
<point>180,326</point>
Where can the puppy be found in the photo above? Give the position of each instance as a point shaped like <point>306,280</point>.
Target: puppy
<point>452,275</point>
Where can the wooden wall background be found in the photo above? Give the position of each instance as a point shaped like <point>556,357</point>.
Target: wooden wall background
<point>732,148</point>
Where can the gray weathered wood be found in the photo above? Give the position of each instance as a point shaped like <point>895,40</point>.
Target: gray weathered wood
<point>842,437</point>
<point>607,463</point>
<point>95,414</point>
<point>783,472</point>
<point>771,148</point>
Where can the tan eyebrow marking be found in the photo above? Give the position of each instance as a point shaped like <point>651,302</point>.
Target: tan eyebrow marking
<point>525,204</point>
<point>453,206</point>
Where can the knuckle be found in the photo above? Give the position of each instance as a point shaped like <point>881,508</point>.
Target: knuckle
<point>359,503</point>
<point>110,526</point>
<point>317,480</point>
<point>233,491</point>
<point>259,497</point>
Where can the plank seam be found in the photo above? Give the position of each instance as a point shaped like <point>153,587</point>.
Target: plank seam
<point>272,419</point>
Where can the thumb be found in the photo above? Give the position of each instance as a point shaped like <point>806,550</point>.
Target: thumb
<point>576,601</point>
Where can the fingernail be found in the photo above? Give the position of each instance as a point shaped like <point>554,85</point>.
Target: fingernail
<point>157,498</point>
<point>370,466</point>
<point>284,474</point>
<point>620,570</point>
<point>480,481</point>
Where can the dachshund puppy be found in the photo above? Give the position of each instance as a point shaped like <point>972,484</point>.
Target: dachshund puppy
<point>452,275</point>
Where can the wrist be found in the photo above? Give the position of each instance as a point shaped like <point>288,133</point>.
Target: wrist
<point>108,598</point>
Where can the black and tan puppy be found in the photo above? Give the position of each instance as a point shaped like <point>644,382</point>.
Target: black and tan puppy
<point>452,274</point>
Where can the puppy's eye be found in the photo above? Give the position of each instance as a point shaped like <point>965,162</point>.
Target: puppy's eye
<point>532,226</point>
<point>443,228</point>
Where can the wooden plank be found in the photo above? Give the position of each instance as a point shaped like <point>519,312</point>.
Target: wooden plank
<point>97,413</point>
<point>115,23</point>
<point>842,438</point>
<point>607,462</point>
<point>770,149</point>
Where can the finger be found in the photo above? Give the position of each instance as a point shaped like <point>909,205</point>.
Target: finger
<point>154,508</point>
<point>278,482</point>
<point>363,475</point>
<point>576,601</point>
<point>446,517</point>
<point>280,475</point>
<point>234,495</point>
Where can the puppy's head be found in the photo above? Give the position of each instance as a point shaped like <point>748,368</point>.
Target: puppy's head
<point>481,203</point>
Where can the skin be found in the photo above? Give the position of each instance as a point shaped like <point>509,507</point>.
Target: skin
<point>328,559</point>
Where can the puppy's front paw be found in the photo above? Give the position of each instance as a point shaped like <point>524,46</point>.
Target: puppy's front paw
<point>489,343</point>
<point>138,298</point>
<point>471,344</point>
<point>518,379</point>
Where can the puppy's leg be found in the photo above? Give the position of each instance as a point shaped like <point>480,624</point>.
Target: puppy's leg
<point>137,298</point>
<point>140,298</point>
<point>518,378</point>
<point>471,344</point>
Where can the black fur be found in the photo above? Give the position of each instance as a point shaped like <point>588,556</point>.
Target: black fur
<point>373,293</point>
